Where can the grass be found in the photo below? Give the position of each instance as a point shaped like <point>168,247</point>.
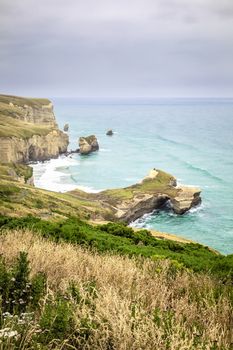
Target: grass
<point>14,170</point>
<point>19,199</point>
<point>21,101</point>
<point>11,117</point>
<point>159,185</point>
<point>106,301</point>
<point>121,239</point>
<point>11,127</point>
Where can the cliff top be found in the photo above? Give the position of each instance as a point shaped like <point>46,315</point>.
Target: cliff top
<point>22,101</point>
<point>24,117</point>
<point>11,127</point>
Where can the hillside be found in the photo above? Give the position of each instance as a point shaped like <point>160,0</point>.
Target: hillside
<point>64,296</point>
<point>73,275</point>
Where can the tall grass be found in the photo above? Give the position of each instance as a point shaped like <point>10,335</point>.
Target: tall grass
<point>106,301</point>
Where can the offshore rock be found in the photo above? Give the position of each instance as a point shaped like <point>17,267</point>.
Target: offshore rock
<point>88,144</point>
<point>66,127</point>
<point>186,198</point>
<point>109,132</point>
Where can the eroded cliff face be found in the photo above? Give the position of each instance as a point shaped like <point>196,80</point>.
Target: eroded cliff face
<point>153,192</point>
<point>29,130</point>
<point>36,148</point>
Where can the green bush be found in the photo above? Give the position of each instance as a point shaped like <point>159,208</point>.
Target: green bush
<point>57,321</point>
<point>18,293</point>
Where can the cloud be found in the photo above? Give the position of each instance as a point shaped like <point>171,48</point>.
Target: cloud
<point>106,47</point>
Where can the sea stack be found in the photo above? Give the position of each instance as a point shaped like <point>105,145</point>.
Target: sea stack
<point>88,144</point>
<point>66,127</point>
<point>109,132</point>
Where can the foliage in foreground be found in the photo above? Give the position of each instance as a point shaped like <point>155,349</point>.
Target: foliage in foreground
<point>121,239</point>
<point>84,300</point>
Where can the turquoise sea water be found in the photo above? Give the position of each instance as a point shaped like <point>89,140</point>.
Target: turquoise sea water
<point>191,139</point>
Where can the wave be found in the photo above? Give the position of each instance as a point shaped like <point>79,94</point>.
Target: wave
<point>105,150</point>
<point>204,172</point>
<point>88,189</point>
<point>198,169</point>
<point>177,143</point>
<point>146,221</point>
<point>54,175</point>
<point>142,221</point>
<point>199,208</point>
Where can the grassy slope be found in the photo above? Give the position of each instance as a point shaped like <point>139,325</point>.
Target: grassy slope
<point>105,301</point>
<point>123,240</point>
<point>18,199</point>
<point>21,101</point>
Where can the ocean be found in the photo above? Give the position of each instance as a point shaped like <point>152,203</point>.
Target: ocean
<point>190,138</point>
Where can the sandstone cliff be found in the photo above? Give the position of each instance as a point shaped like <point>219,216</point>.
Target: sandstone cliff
<point>158,188</point>
<point>29,131</point>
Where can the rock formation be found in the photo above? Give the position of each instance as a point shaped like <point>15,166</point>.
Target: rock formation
<point>66,127</point>
<point>186,198</point>
<point>29,131</point>
<point>88,144</point>
<point>154,191</point>
<point>109,132</point>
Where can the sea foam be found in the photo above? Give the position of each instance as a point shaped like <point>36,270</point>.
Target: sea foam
<point>54,175</point>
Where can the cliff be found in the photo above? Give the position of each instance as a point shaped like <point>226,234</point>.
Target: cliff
<point>153,192</point>
<point>29,131</point>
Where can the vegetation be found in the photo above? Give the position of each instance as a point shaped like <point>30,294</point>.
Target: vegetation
<point>18,199</point>
<point>160,184</point>
<point>10,127</point>
<point>121,239</point>
<point>21,101</point>
<point>14,170</point>
<point>12,121</point>
<point>75,298</point>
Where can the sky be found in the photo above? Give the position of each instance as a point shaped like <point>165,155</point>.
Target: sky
<point>116,48</point>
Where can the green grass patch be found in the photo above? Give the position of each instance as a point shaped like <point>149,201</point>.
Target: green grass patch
<point>120,239</point>
<point>21,101</point>
<point>12,127</point>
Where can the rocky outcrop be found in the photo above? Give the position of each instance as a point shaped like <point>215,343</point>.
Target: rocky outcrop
<point>29,130</point>
<point>186,198</point>
<point>35,148</point>
<point>66,127</point>
<point>153,192</point>
<point>109,132</point>
<point>88,144</point>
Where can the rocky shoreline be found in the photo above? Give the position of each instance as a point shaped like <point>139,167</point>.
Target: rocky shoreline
<point>153,192</point>
<point>36,137</point>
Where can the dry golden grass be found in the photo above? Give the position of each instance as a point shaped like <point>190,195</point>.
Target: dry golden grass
<point>138,304</point>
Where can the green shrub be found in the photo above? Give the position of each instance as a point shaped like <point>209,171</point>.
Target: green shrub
<point>17,292</point>
<point>57,320</point>
<point>121,239</point>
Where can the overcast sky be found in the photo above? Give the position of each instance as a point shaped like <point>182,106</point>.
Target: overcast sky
<point>116,48</point>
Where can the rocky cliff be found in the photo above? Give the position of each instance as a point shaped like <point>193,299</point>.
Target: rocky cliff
<point>29,131</point>
<point>155,190</point>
